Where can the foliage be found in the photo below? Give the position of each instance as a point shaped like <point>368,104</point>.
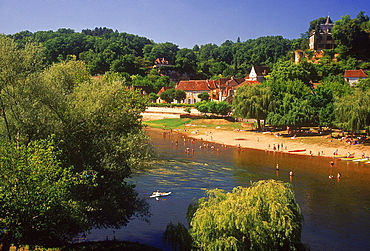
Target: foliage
<point>287,70</point>
<point>36,203</point>
<point>97,127</point>
<point>352,112</point>
<point>173,94</point>
<point>253,101</point>
<point>219,108</point>
<point>204,96</point>
<point>352,37</point>
<point>264,216</point>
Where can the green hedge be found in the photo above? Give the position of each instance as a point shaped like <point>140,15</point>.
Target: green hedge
<point>170,105</point>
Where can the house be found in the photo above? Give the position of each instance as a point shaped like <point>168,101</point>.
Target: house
<point>258,73</point>
<point>322,38</point>
<point>193,88</point>
<point>227,87</point>
<point>353,76</point>
<point>161,62</point>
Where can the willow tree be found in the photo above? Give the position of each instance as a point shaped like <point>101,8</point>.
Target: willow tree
<point>352,112</point>
<point>253,101</point>
<point>264,216</point>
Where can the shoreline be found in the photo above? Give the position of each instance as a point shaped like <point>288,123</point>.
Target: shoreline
<point>270,142</point>
<point>315,146</point>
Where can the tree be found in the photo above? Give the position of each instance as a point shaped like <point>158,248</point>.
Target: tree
<point>322,101</point>
<point>36,203</point>
<point>351,38</point>
<point>223,108</point>
<point>204,96</point>
<point>287,70</point>
<point>96,124</point>
<point>173,94</point>
<point>264,216</point>
<point>253,101</point>
<point>179,95</point>
<point>168,95</point>
<point>352,112</point>
<point>17,69</point>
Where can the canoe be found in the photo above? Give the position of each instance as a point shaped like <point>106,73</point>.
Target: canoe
<point>351,155</point>
<point>361,159</point>
<point>154,195</point>
<point>350,159</point>
<point>299,150</point>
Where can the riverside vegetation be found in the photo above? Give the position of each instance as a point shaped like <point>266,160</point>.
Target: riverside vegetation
<point>71,129</point>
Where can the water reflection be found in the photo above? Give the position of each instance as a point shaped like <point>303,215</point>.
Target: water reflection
<point>336,211</point>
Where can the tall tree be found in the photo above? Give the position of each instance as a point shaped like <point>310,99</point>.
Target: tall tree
<point>17,68</point>
<point>253,101</point>
<point>352,112</point>
<point>351,37</point>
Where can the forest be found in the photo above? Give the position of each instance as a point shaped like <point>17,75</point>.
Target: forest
<point>70,125</point>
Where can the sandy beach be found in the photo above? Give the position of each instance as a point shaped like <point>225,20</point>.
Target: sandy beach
<point>269,142</point>
<point>322,146</point>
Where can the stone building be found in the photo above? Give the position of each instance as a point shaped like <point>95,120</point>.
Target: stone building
<point>321,39</point>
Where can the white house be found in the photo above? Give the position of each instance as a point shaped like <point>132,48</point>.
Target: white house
<point>353,76</point>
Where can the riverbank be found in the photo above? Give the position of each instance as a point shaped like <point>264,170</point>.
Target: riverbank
<point>230,134</point>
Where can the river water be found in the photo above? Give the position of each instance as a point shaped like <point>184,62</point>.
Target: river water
<point>336,212</point>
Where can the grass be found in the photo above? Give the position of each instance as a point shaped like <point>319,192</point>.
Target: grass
<point>181,123</point>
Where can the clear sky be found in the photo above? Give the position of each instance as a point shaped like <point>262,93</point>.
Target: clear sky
<point>182,22</point>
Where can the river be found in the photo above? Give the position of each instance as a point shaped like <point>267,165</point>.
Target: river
<point>336,211</point>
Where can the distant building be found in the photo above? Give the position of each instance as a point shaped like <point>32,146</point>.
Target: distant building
<point>322,39</point>
<point>161,62</point>
<point>193,88</point>
<point>353,76</point>
<point>258,73</point>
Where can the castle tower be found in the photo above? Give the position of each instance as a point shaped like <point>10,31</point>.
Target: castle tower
<point>321,39</point>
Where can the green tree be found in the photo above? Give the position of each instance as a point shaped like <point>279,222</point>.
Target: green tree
<point>223,108</point>
<point>36,203</point>
<point>253,101</point>
<point>179,95</point>
<point>352,112</point>
<point>351,38</point>
<point>288,70</point>
<point>292,111</point>
<point>97,127</point>
<point>322,101</point>
<point>168,95</point>
<point>173,94</point>
<point>17,68</point>
<point>186,60</point>
<point>264,216</point>
<point>203,96</point>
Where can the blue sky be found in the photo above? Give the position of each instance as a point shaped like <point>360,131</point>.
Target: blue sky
<point>182,22</point>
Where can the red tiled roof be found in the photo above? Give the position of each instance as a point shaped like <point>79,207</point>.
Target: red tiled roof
<point>355,74</point>
<point>163,89</point>
<point>197,85</point>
